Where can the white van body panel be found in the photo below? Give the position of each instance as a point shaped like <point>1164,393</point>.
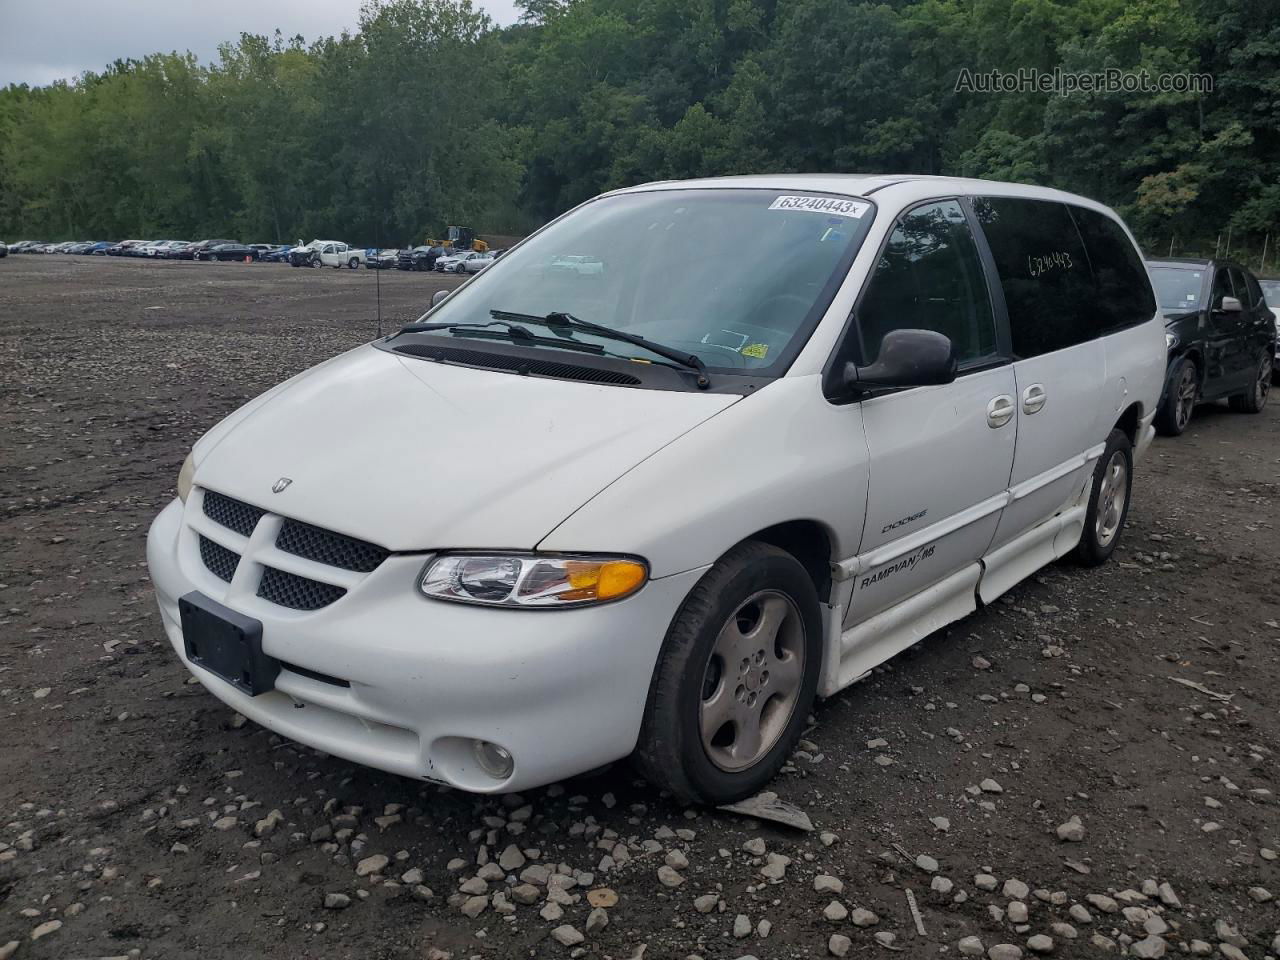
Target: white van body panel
<point>938,471</point>
<point>414,455</point>
<point>1053,440</point>
<point>779,455</point>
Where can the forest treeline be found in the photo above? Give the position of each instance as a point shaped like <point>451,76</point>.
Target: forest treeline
<point>428,114</point>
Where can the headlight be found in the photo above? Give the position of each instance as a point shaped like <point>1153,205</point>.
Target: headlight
<point>184,478</point>
<point>1169,340</point>
<point>532,580</point>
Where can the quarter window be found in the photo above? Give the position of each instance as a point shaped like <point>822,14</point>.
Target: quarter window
<point>930,278</point>
<point>1119,277</point>
<point>1044,273</point>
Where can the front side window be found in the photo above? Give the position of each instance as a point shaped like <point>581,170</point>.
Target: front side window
<point>738,277</point>
<point>1241,288</point>
<point>929,277</point>
<point>1256,299</point>
<point>1221,287</point>
<point>1044,273</point>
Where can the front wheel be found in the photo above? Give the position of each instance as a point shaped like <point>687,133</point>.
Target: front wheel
<point>1108,501</point>
<point>1256,398</point>
<point>735,680</point>
<point>1179,399</point>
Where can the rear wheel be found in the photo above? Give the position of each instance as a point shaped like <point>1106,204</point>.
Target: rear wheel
<point>1256,397</point>
<point>1179,399</point>
<point>1108,501</point>
<point>736,678</point>
<point>353,263</point>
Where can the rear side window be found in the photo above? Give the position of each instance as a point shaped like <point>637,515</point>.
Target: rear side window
<point>1044,273</point>
<point>1119,276</point>
<point>930,278</point>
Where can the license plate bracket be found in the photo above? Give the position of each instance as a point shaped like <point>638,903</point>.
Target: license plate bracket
<point>227,644</point>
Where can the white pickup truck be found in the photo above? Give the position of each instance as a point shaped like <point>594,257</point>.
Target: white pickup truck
<point>336,254</point>
<point>327,253</point>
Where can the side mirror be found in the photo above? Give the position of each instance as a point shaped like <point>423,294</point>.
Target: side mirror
<point>438,296</point>
<point>1230,305</point>
<point>908,358</point>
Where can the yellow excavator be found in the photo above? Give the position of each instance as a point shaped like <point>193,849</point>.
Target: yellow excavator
<point>460,238</point>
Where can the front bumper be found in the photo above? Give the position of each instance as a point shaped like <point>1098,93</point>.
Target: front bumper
<point>563,691</point>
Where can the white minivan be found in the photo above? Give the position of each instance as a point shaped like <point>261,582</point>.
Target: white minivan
<point>791,426</point>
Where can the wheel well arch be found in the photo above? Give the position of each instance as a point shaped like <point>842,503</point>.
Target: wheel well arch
<point>1129,420</point>
<point>810,543</point>
<point>1197,361</point>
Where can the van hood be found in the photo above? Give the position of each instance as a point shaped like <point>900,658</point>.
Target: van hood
<point>416,455</point>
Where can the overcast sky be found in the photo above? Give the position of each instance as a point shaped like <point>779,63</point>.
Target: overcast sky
<point>46,40</point>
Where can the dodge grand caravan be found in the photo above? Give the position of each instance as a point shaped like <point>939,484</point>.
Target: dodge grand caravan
<point>790,426</point>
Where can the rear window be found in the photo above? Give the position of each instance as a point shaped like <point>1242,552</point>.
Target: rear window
<point>1069,274</point>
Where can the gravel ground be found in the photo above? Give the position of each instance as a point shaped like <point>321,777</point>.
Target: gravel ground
<point>1033,776</point>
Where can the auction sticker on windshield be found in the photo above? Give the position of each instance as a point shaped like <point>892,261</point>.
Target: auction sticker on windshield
<point>827,205</point>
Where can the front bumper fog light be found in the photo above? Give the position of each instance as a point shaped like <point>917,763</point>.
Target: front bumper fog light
<point>493,759</point>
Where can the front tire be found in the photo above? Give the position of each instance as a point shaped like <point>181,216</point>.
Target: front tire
<point>1179,399</point>
<point>1256,398</point>
<point>1108,501</point>
<point>735,679</point>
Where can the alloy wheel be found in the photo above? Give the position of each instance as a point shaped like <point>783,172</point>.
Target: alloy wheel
<point>1186,396</point>
<point>752,680</point>
<point>1112,494</point>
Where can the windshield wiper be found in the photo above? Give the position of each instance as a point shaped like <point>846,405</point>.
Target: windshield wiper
<point>567,321</point>
<point>508,331</point>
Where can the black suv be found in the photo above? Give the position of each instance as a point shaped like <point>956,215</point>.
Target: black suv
<point>1221,337</point>
<point>419,258</point>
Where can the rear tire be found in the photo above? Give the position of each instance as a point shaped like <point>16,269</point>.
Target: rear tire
<point>1179,400</point>
<point>353,263</point>
<point>1108,501</point>
<point>1256,398</point>
<point>723,713</point>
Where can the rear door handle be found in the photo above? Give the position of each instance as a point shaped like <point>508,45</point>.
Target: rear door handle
<point>999,411</point>
<point>1033,398</point>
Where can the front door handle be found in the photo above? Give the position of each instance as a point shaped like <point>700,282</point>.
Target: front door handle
<point>999,411</point>
<point>1033,398</point>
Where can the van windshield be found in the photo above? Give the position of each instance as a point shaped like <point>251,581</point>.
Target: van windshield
<point>738,277</point>
<point>1177,288</point>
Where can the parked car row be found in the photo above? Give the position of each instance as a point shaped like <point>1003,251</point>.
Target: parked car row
<point>317,253</point>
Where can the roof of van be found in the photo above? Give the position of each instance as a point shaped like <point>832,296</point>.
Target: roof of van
<point>907,185</point>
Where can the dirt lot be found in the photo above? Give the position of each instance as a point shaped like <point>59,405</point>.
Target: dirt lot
<point>130,798</point>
